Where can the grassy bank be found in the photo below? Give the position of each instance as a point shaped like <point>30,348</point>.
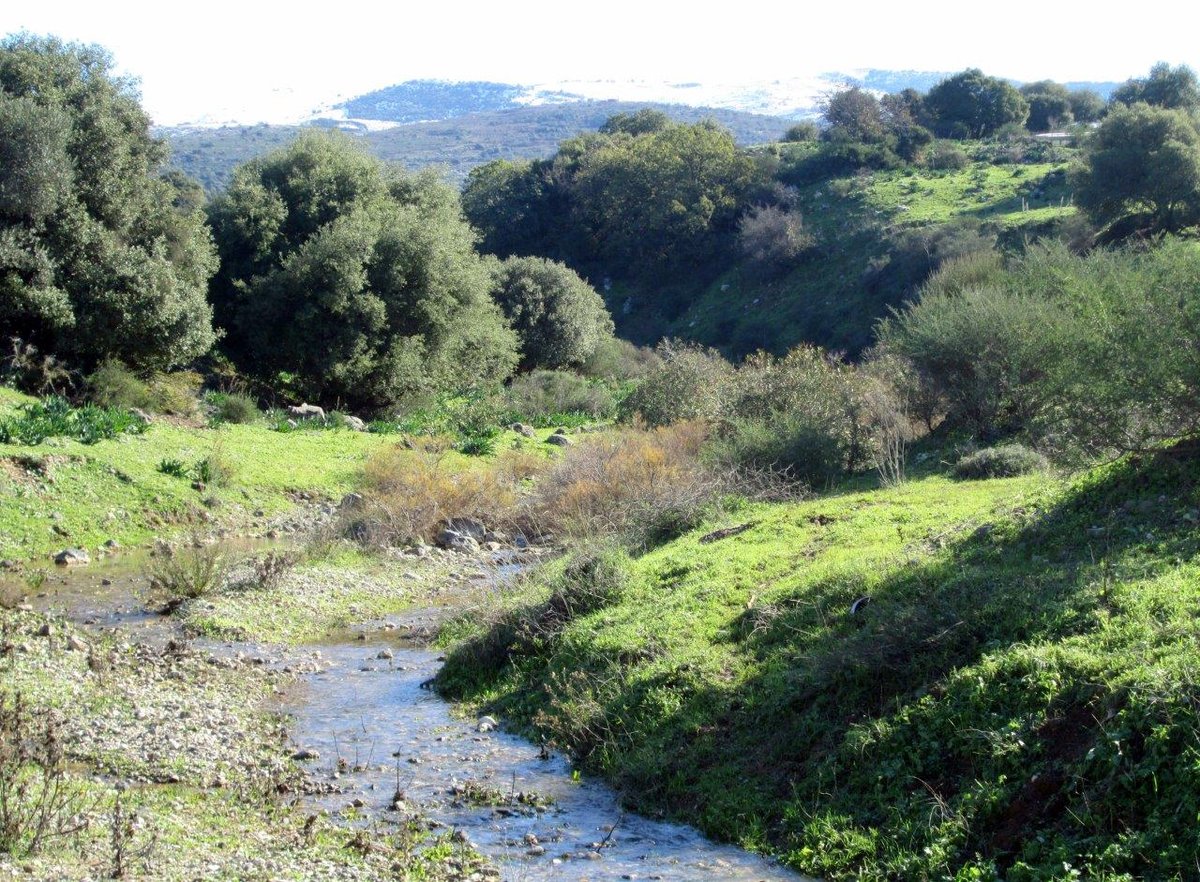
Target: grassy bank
<point>61,492</point>
<point>1016,699</point>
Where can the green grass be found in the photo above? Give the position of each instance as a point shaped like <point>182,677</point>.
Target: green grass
<point>1018,699</point>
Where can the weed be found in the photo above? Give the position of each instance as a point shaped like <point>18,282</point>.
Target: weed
<point>38,801</point>
<point>173,467</point>
<point>53,416</point>
<point>189,573</point>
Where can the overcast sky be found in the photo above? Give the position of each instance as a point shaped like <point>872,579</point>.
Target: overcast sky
<point>257,60</point>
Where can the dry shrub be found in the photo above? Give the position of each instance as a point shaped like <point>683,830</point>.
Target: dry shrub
<point>644,485</point>
<point>411,494</point>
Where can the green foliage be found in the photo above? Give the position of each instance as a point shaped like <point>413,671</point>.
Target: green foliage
<point>1141,171</point>
<point>687,384</point>
<point>804,415</point>
<point>356,280</point>
<point>176,468</point>
<point>803,131</point>
<point>558,317</point>
<point>972,105</point>
<point>773,239</point>
<point>1003,461</point>
<point>551,398</point>
<point>1050,106</point>
<point>230,407</point>
<point>54,417</point>
<point>853,114</point>
<point>1173,88</point>
<point>656,201</point>
<point>96,258</point>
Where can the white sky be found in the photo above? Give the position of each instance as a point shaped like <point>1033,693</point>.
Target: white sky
<point>267,60</point>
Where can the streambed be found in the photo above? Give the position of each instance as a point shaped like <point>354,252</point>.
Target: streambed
<point>383,744</point>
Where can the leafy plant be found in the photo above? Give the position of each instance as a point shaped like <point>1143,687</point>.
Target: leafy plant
<point>173,467</point>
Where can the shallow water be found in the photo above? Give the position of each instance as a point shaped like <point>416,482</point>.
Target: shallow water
<point>393,733</point>
<point>363,709</point>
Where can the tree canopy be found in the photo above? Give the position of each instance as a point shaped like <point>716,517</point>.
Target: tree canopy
<point>559,318</point>
<point>98,258</point>
<point>1175,88</point>
<point>351,280</point>
<point>1142,167</point>
<point>972,104</point>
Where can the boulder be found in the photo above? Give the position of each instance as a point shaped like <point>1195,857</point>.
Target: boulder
<point>522,429</point>
<point>72,557</point>
<point>353,422</point>
<point>467,527</point>
<point>559,440</point>
<point>455,541</point>
<point>351,502</point>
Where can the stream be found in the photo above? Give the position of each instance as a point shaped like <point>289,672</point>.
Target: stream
<point>376,733</point>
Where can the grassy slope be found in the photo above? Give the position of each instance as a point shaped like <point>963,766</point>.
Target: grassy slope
<point>1018,698</point>
<point>832,299</point>
<point>113,489</point>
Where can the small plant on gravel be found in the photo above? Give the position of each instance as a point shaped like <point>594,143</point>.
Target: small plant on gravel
<point>270,569</point>
<point>189,573</point>
<point>1004,461</point>
<point>38,800</point>
<point>123,831</point>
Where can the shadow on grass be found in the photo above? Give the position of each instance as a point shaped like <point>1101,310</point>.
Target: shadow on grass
<point>965,713</point>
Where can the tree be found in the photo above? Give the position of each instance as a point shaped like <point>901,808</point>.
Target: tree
<point>973,105</point>
<point>1142,169</point>
<point>97,259</point>
<point>559,318</point>
<point>355,282</point>
<point>854,114</point>
<point>655,202</point>
<point>511,204</point>
<point>1175,88</point>
<point>1049,105</point>
<point>1086,106</point>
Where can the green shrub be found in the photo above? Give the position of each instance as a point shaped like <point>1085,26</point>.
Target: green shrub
<point>947,157</point>
<point>617,359</point>
<point>54,417</point>
<point>687,384</point>
<point>189,573</point>
<point>232,408</point>
<point>1002,461</point>
<point>115,385</point>
<point>542,397</point>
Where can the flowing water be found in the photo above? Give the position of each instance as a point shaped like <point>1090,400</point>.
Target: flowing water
<point>377,733</point>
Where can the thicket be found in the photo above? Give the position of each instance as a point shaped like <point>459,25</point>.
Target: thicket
<point>1088,355</point>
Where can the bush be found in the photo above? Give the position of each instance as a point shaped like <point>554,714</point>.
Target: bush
<point>947,157</point>
<point>643,486</point>
<point>232,408</point>
<point>189,573</point>
<point>543,397</point>
<point>804,414</point>
<point>686,385</point>
<point>803,131</point>
<point>773,239</point>
<point>559,318</point>
<point>113,384</point>
<point>409,495</point>
<point>617,359</point>
<point>1003,461</point>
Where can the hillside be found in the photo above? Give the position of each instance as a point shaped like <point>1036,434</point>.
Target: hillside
<point>458,144</point>
<point>878,235</point>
